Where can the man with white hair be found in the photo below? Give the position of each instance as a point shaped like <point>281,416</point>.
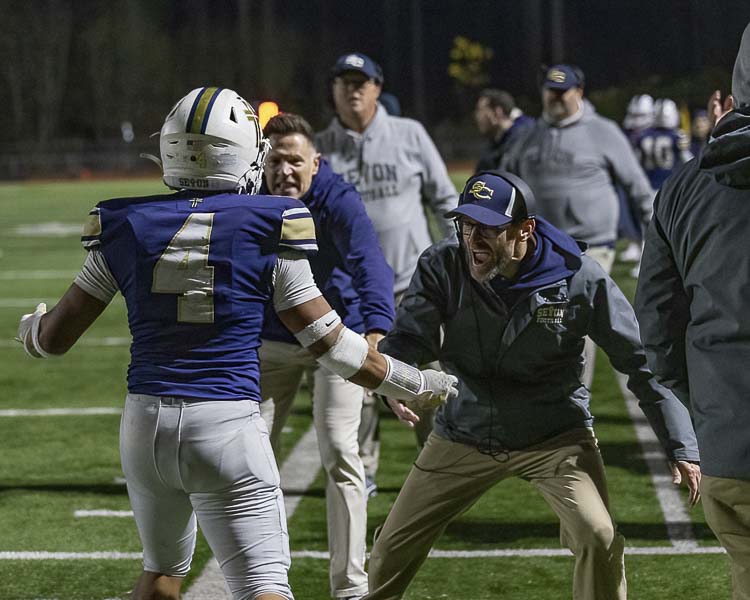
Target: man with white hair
<point>692,301</point>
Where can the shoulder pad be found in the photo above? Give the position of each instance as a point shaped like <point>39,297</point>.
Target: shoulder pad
<point>298,230</point>
<point>92,230</point>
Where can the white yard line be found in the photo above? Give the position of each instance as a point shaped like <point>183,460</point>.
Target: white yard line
<point>97,342</point>
<point>676,517</point>
<point>70,555</point>
<point>298,473</point>
<point>320,555</point>
<point>56,412</point>
<point>13,275</point>
<point>121,514</point>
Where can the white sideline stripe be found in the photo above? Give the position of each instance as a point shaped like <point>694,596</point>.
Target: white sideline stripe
<point>91,342</point>
<point>11,275</point>
<point>70,555</point>
<point>320,555</point>
<point>54,412</point>
<point>676,518</point>
<point>537,552</point>
<point>298,472</point>
<point>102,513</point>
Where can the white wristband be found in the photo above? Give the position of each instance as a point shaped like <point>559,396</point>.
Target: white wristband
<point>318,329</point>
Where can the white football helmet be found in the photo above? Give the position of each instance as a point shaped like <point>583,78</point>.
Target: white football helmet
<point>666,114</point>
<point>212,140</point>
<point>640,112</point>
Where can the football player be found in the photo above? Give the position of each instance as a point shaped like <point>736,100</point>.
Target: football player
<point>197,268</point>
<point>662,147</point>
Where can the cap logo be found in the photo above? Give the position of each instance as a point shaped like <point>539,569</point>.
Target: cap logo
<point>480,190</point>
<point>556,76</point>
<point>354,61</point>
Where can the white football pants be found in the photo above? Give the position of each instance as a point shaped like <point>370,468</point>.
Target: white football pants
<point>212,460</point>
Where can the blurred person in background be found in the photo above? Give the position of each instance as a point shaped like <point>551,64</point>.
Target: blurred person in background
<point>692,300</point>
<point>197,268</point>
<point>700,129</point>
<point>500,121</point>
<point>355,279</point>
<point>397,169</point>
<point>663,146</point>
<point>573,160</point>
<point>639,116</point>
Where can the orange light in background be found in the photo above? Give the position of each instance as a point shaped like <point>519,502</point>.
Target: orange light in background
<point>266,110</point>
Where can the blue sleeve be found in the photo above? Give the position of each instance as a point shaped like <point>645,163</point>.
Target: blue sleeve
<point>357,243</point>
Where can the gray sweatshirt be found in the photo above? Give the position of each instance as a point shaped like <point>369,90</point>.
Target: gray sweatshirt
<point>572,170</point>
<point>395,166</point>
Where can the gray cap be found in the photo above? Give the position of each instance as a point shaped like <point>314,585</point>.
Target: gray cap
<point>741,75</point>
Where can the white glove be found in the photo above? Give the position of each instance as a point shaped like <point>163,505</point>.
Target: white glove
<point>415,388</point>
<point>439,387</point>
<point>28,332</point>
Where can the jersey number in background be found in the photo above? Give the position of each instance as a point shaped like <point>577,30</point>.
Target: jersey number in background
<point>183,269</point>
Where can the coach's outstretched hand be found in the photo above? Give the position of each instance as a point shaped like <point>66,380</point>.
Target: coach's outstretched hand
<point>690,474</point>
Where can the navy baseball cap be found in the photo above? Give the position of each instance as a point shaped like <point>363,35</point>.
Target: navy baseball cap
<point>361,63</point>
<point>493,200</point>
<point>563,77</point>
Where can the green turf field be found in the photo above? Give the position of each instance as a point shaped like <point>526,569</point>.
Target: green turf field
<point>52,466</point>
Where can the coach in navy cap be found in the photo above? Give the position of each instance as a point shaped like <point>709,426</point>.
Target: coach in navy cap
<point>359,63</point>
<point>506,311</point>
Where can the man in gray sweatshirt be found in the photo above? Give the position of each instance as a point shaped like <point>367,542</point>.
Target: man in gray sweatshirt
<point>572,158</point>
<point>396,168</point>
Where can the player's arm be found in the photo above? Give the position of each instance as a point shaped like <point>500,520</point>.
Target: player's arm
<point>307,314</point>
<point>45,334</point>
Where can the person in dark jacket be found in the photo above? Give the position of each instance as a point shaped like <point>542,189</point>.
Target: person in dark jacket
<point>352,273</point>
<point>515,298</point>
<point>692,299</point>
<point>501,122</point>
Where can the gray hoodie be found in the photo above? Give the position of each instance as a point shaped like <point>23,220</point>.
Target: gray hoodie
<point>572,170</point>
<point>395,166</point>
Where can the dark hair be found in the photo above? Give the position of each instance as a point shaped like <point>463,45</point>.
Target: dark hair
<point>498,98</point>
<point>288,123</point>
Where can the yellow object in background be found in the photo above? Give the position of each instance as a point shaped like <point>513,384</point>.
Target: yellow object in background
<point>267,110</point>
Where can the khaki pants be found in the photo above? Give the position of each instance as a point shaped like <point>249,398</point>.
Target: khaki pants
<point>726,503</point>
<point>336,412</point>
<point>448,478</point>
<point>605,256</point>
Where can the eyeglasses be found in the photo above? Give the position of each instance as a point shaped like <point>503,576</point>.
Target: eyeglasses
<point>352,82</point>
<point>485,231</point>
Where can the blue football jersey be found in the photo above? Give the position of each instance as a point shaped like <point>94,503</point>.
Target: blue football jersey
<point>196,274</point>
<point>660,151</point>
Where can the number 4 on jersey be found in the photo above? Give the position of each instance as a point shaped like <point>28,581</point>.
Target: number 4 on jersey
<point>183,269</point>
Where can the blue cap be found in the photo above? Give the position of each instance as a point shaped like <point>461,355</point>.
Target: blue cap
<point>563,77</point>
<point>491,200</point>
<point>361,63</point>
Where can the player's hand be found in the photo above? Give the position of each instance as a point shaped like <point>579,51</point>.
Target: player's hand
<point>407,416</point>
<point>439,388</point>
<point>690,474</point>
<point>25,326</point>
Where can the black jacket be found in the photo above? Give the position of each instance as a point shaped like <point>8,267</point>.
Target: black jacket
<point>519,366</point>
<point>694,289</point>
